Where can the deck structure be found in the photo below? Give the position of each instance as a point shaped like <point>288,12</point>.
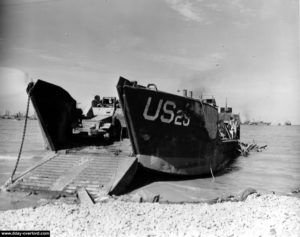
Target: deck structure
<point>99,170</point>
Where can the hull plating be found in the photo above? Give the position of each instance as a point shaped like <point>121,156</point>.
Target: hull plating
<point>172,133</point>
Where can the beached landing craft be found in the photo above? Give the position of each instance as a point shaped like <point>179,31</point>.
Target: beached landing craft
<point>175,134</point>
<point>66,126</point>
<point>88,153</point>
<point>168,133</point>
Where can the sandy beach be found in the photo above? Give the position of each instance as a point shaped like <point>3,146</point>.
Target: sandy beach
<point>258,215</point>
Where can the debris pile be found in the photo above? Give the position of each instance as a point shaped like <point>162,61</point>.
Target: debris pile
<point>246,148</point>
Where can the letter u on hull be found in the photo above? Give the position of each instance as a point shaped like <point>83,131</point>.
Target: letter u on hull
<point>146,111</point>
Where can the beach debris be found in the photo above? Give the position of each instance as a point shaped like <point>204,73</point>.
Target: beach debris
<point>4,187</point>
<point>245,148</point>
<point>141,196</point>
<point>156,198</point>
<point>44,202</point>
<point>137,197</point>
<point>102,199</point>
<point>243,196</point>
<point>84,197</point>
<point>230,198</point>
<point>102,196</point>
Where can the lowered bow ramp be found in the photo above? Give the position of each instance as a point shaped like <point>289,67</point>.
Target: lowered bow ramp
<point>98,172</point>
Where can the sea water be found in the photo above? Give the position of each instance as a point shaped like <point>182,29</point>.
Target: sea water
<point>11,133</point>
<point>276,168</point>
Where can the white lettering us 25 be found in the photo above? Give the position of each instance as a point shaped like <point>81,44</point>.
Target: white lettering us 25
<point>169,113</point>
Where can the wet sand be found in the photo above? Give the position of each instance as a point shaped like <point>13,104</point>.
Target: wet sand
<point>265,215</point>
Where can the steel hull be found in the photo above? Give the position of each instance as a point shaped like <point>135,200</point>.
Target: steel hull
<point>59,117</point>
<point>173,134</point>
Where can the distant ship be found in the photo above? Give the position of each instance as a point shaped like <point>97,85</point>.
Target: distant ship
<point>260,123</point>
<point>287,123</point>
<point>7,115</point>
<point>19,116</point>
<point>257,123</point>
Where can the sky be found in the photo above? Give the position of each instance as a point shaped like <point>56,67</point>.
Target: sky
<point>245,51</point>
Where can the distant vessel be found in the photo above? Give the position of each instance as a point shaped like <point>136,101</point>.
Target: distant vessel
<point>257,123</point>
<point>6,115</point>
<point>19,116</point>
<point>260,123</point>
<point>175,134</point>
<point>287,123</point>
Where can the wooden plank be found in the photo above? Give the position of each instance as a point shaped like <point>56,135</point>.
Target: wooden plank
<point>44,172</point>
<point>32,187</point>
<point>58,166</point>
<point>41,176</point>
<point>84,197</point>
<point>123,176</point>
<point>97,174</point>
<point>45,176</point>
<point>50,171</point>
<point>39,181</point>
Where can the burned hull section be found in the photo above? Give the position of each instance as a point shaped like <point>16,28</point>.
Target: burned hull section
<point>171,133</point>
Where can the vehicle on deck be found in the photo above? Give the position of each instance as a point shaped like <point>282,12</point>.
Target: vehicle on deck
<point>102,120</point>
<point>65,126</point>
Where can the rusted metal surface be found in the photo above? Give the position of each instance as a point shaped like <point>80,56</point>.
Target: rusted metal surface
<point>99,170</point>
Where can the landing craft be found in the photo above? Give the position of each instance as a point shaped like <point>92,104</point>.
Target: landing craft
<point>168,133</point>
<point>88,153</point>
<point>65,126</point>
<point>176,134</point>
